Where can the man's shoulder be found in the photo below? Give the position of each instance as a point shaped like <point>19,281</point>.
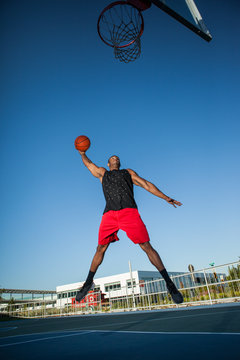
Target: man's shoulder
<point>103,171</point>
<point>131,171</point>
<point>127,171</point>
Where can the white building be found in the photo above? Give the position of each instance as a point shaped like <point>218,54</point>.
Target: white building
<point>144,282</point>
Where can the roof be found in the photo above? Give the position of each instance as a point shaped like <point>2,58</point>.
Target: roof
<point>24,291</point>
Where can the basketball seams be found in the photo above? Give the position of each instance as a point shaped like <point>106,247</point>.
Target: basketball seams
<point>79,142</point>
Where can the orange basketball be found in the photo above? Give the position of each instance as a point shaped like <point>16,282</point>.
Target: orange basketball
<point>82,143</point>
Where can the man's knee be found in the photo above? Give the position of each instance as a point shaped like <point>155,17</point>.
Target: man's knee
<point>102,248</point>
<point>146,246</point>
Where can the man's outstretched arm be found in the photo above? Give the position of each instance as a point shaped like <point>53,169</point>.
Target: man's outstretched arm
<point>147,185</point>
<point>94,169</point>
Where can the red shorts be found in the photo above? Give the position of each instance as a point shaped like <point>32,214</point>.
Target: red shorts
<point>127,220</point>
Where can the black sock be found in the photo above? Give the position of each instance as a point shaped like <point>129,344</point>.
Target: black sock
<point>89,279</point>
<point>166,277</point>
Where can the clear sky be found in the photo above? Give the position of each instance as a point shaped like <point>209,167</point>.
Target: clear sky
<point>172,116</point>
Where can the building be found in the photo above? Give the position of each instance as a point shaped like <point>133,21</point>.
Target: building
<point>142,283</point>
<point>19,298</point>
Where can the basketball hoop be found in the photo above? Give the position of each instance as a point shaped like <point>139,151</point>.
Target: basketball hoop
<point>120,25</point>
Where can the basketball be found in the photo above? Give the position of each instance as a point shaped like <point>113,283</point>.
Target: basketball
<point>82,143</point>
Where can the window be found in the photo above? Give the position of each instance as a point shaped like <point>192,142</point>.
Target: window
<point>129,283</point>
<point>112,287</point>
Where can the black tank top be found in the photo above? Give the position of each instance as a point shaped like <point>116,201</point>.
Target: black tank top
<point>118,190</point>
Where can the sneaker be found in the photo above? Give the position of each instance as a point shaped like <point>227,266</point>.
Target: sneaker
<point>83,291</point>
<point>175,294</point>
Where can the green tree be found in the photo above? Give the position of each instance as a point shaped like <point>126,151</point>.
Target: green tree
<point>234,274</point>
<point>10,306</point>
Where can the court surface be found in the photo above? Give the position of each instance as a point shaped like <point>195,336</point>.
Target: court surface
<point>192,333</point>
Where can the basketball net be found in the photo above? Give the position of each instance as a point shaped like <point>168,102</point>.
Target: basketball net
<point>120,25</point>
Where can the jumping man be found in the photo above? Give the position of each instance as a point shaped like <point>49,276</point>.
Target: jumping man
<point>121,213</point>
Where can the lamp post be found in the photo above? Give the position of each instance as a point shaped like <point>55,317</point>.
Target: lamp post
<point>133,297</point>
<point>214,270</point>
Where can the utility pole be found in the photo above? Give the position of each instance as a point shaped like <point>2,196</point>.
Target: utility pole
<point>133,297</point>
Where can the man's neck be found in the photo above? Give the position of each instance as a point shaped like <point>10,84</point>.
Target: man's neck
<point>114,168</point>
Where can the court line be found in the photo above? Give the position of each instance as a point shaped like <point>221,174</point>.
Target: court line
<point>158,319</point>
<point>119,332</point>
<point>125,323</point>
<point>68,330</point>
<point>8,328</point>
<point>43,333</point>
<point>47,338</point>
<point>193,315</point>
<point>165,333</point>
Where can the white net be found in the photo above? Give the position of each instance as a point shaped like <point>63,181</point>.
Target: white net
<point>120,26</point>
<point>129,53</point>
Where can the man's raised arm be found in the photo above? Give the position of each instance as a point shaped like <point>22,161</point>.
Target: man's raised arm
<point>137,180</point>
<point>94,169</point>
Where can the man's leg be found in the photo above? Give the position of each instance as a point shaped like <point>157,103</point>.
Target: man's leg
<point>157,262</point>
<point>97,260</point>
<point>98,257</point>
<point>153,255</point>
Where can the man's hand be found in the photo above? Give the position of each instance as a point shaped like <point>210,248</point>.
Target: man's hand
<point>173,202</point>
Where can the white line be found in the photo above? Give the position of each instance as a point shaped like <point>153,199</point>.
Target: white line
<point>113,324</point>
<point>127,323</point>
<point>68,330</point>
<point>42,333</point>
<point>164,333</point>
<point>158,319</point>
<point>47,338</point>
<point>120,332</point>
<point>8,328</point>
<point>193,315</point>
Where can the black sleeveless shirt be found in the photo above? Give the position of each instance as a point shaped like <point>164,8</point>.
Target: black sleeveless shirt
<point>118,190</point>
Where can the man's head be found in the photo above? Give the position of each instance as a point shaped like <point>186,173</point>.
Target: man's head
<point>114,162</point>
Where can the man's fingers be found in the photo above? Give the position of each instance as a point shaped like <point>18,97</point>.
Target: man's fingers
<point>175,202</point>
<point>171,202</point>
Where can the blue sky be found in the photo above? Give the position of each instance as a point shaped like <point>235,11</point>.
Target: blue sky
<point>172,116</point>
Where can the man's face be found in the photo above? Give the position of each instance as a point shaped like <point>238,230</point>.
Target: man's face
<point>114,161</point>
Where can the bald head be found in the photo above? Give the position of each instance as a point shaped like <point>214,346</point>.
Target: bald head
<point>114,162</point>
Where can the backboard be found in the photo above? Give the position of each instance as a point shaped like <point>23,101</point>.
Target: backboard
<point>186,12</point>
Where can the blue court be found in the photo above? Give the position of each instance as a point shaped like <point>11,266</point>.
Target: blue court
<point>207,332</point>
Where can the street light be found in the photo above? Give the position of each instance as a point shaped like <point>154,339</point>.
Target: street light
<point>214,270</point>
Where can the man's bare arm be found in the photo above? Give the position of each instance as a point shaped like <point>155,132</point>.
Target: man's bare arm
<point>147,185</point>
<point>94,169</point>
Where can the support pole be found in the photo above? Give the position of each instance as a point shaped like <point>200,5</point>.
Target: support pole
<point>207,287</point>
<point>133,297</point>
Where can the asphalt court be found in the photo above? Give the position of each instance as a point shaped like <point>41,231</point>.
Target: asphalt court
<point>205,332</point>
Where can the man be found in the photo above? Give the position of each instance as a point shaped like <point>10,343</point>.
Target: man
<point>121,213</point>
